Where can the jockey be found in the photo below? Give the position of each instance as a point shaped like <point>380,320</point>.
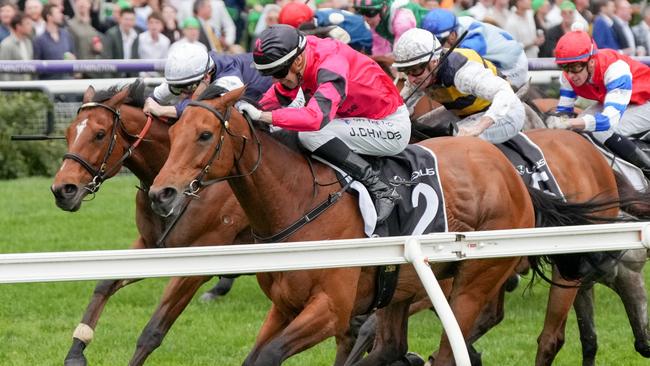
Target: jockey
<point>389,19</point>
<point>490,42</point>
<point>188,65</point>
<point>353,106</point>
<point>343,25</point>
<point>621,86</point>
<point>465,84</point>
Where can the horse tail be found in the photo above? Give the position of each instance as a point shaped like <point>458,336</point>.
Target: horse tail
<point>635,203</point>
<point>553,211</point>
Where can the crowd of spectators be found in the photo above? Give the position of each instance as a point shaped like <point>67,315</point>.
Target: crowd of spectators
<point>147,29</point>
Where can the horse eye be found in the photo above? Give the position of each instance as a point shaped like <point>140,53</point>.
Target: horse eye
<point>100,135</point>
<point>205,136</point>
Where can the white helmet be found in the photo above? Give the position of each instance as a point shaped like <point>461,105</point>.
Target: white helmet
<point>414,47</point>
<point>187,63</point>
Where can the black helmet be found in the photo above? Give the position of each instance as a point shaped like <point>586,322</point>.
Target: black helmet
<point>276,49</point>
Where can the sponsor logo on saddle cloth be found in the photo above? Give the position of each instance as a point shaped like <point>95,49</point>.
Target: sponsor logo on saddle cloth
<point>530,163</point>
<point>414,173</point>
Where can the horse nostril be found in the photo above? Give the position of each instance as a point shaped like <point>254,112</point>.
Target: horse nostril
<point>70,190</point>
<point>165,195</point>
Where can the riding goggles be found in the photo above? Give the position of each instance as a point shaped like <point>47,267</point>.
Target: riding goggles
<point>574,67</point>
<point>188,88</point>
<point>368,12</point>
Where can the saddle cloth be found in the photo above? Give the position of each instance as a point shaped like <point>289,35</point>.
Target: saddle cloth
<point>530,163</point>
<point>414,173</point>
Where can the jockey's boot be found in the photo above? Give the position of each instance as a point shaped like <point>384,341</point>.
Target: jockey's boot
<point>626,149</point>
<point>384,196</point>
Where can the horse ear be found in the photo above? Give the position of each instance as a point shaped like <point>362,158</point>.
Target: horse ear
<point>89,94</point>
<point>119,98</point>
<point>233,96</point>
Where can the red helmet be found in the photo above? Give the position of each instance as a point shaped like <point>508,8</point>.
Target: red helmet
<point>295,14</point>
<point>575,46</point>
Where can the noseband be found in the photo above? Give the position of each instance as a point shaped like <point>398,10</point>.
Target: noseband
<point>102,173</point>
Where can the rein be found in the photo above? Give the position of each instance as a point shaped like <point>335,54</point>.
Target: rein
<point>102,173</point>
<point>198,183</point>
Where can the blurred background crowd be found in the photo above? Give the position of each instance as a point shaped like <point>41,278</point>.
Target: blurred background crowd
<point>147,29</point>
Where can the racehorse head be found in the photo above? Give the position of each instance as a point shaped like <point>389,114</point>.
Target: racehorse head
<point>96,150</point>
<point>203,148</point>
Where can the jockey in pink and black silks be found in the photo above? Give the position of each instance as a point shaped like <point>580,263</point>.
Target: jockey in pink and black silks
<point>619,84</point>
<point>341,103</point>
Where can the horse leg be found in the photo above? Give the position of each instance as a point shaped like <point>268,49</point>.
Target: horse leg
<point>273,324</point>
<point>84,332</point>
<point>584,307</point>
<point>559,304</point>
<point>178,293</point>
<point>220,289</point>
<point>391,341</point>
<point>630,286</point>
<point>477,282</point>
<point>316,322</point>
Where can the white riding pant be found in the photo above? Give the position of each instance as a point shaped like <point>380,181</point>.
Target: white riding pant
<point>518,74</point>
<point>636,119</point>
<point>501,130</point>
<point>376,137</point>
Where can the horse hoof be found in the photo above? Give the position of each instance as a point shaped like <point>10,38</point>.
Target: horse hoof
<point>643,349</point>
<point>414,359</point>
<point>75,362</point>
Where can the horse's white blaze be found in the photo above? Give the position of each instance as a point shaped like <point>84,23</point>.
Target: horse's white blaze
<point>62,166</point>
<point>80,128</point>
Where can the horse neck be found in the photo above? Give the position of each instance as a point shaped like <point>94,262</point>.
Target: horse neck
<point>280,190</point>
<point>149,157</point>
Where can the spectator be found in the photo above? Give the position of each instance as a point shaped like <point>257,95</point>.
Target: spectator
<point>498,14</point>
<point>87,39</point>
<point>207,33</point>
<point>7,12</point>
<point>540,10</point>
<point>223,24</point>
<point>171,30</point>
<point>191,33</point>
<point>603,30</point>
<point>480,9</point>
<point>521,25</point>
<point>55,43</point>
<point>34,10</point>
<point>103,25</point>
<point>121,41</point>
<point>153,44</point>
<point>584,15</point>
<point>642,34</point>
<point>142,10</point>
<point>622,30</point>
<point>568,12</point>
<point>18,45</point>
<point>66,7</point>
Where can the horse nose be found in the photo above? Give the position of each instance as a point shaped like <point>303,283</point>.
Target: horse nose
<point>163,197</point>
<point>65,191</point>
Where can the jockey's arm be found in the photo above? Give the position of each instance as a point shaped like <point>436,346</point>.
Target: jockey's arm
<point>403,20</point>
<point>156,104</point>
<point>474,79</point>
<point>412,101</point>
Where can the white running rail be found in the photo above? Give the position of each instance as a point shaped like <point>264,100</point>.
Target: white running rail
<point>251,258</point>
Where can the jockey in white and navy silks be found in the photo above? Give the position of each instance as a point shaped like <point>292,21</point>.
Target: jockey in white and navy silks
<point>490,42</point>
<point>188,64</point>
<point>352,105</point>
<point>621,86</point>
<point>347,27</point>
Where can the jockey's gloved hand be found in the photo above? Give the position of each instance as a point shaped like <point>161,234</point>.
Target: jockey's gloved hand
<point>245,107</point>
<point>558,122</point>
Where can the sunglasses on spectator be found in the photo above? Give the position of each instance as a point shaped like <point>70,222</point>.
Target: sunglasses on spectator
<point>185,88</point>
<point>573,68</point>
<point>366,12</point>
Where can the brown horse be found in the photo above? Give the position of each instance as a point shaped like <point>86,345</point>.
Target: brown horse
<point>204,223</point>
<point>482,192</point>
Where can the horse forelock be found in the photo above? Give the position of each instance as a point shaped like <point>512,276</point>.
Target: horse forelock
<point>212,92</point>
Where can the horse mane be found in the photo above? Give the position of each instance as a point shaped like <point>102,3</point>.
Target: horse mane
<point>211,92</point>
<point>135,98</point>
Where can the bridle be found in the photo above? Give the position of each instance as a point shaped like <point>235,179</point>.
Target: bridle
<point>198,183</point>
<point>102,173</point>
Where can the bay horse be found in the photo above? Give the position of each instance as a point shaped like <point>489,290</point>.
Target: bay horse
<point>212,141</point>
<point>106,116</point>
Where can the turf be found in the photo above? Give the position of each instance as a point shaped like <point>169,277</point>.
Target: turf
<point>37,320</point>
